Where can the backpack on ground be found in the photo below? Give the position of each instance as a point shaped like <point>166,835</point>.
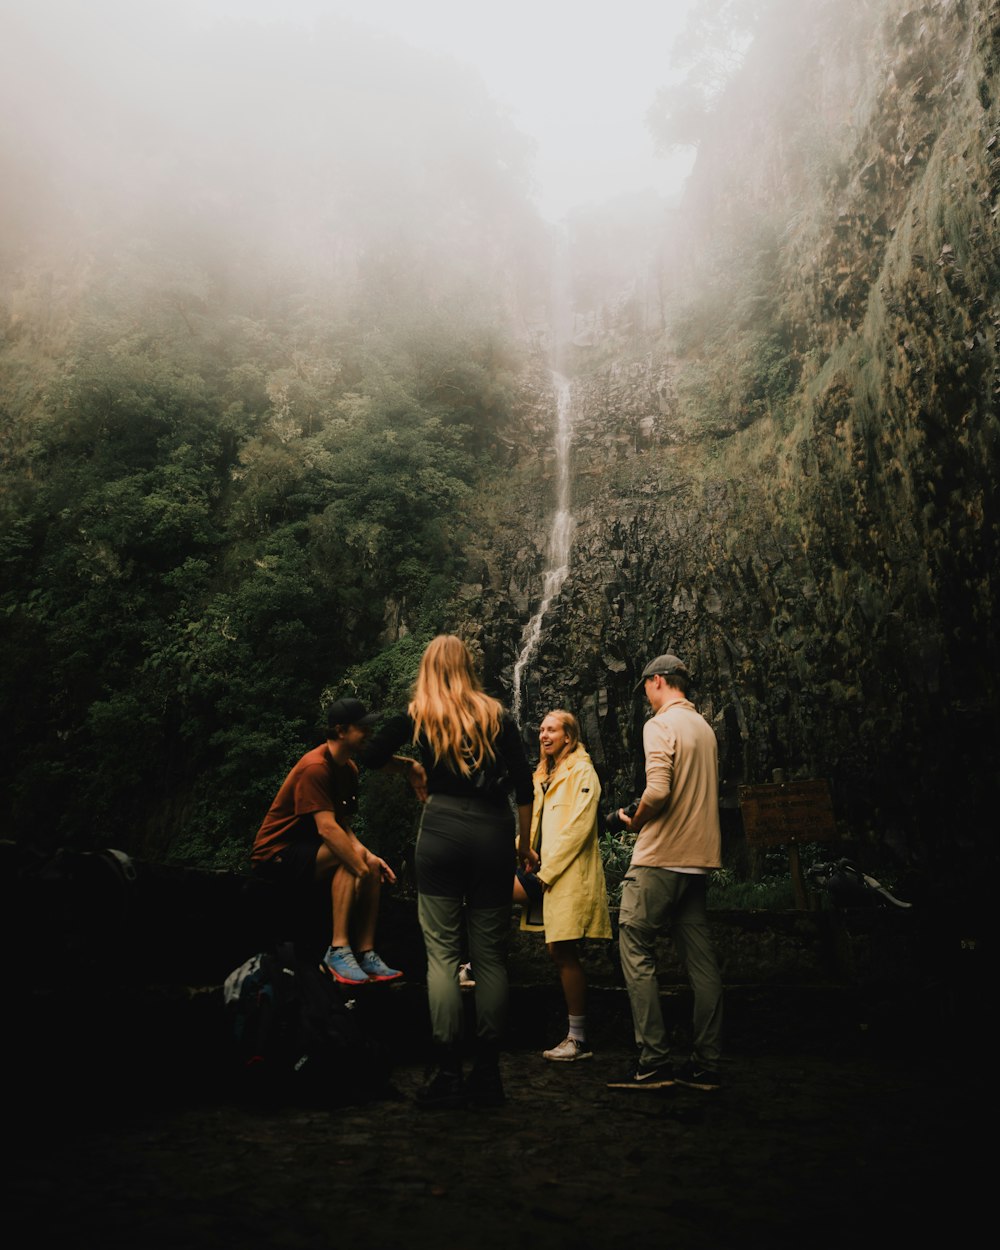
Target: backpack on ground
<point>297,1038</point>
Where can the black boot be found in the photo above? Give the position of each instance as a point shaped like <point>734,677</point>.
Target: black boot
<point>444,1089</point>
<point>484,1086</point>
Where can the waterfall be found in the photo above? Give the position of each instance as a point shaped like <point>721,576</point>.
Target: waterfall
<point>559,539</point>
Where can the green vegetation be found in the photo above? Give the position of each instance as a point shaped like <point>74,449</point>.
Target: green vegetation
<point>771,890</point>
<point>265,429</point>
<point>728,892</point>
<point>616,854</point>
<point>187,563</point>
<point>240,461</point>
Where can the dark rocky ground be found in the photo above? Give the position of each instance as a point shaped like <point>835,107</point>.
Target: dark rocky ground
<point>858,1103</point>
<point>824,1134</point>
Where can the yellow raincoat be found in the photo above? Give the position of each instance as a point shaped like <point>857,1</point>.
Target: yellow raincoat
<point>564,832</point>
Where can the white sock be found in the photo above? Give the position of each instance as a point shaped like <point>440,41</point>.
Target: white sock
<point>577,1028</point>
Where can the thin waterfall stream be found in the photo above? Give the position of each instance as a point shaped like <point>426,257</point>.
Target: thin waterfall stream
<point>560,538</point>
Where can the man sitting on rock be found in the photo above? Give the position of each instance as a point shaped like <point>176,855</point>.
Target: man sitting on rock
<point>307,836</point>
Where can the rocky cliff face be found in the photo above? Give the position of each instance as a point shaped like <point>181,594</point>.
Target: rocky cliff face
<point>800,499</point>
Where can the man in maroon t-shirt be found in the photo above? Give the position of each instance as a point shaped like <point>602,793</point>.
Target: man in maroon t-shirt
<point>307,835</point>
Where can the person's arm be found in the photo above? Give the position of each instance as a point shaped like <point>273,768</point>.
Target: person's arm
<point>343,844</point>
<point>510,746</point>
<point>660,745</point>
<point>649,807</point>
<point>643,813</point>
<point>528,858</point>
<point>528,817</point>
<point>352,853</point>
<point>377,753</point>
<point>413,770</point>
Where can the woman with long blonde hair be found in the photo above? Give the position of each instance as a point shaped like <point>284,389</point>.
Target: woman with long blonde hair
<point>562,888</point>
<point>473,756</point>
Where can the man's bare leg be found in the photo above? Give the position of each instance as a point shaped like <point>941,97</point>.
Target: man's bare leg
<point>368,894</point>
<point>343,894</point>
<point>354,902</point>
<point>352,899</point>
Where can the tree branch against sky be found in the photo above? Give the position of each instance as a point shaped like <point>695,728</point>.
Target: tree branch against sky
<point>708,50</point>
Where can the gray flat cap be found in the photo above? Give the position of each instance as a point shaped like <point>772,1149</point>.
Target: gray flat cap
<point>664,665</point>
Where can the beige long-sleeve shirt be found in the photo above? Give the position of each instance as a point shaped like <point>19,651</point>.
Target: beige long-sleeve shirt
<point>682,787</point>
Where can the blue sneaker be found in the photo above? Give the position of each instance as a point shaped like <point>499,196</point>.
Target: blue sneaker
<point>376,969</point>
<point>343,967</point>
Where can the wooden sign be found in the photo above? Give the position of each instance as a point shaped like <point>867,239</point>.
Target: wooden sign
<point>787,812</point>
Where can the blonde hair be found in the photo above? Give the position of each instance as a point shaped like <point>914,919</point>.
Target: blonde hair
<point>571,728</point>
<point>449,709</point>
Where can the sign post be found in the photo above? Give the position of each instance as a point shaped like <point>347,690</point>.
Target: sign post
<point>787,813</point>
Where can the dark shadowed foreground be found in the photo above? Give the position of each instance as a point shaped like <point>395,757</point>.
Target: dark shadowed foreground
<point>806,1144</point>
<point>856,1108</point>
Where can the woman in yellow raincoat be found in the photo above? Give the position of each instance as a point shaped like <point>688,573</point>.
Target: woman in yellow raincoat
<point>563,872</point>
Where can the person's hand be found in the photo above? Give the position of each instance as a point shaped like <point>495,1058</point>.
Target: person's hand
<point>529,859</point>
<point>417,776</point>
<point>385,872</point>
<point>625,818</point>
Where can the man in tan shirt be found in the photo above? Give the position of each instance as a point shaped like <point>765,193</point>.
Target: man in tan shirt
<point>678,843</point>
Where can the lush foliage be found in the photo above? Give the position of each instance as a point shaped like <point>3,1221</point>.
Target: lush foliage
<point>195,545</point>
<point>247,393</point>
<point>257,441</point>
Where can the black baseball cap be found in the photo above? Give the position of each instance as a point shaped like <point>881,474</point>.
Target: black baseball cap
<point>664,665</point>
<point>349,712</point>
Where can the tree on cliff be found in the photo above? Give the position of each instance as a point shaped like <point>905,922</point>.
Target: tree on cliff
<point>710,49</point>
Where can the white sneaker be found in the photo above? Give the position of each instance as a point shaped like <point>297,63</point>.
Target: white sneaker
<point>568,1051</point>
<point>466,981</point>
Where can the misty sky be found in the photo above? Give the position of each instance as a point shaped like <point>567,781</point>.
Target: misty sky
<point>575,75</point>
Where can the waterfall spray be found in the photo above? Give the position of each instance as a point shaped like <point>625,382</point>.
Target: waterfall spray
<point>560,538</point>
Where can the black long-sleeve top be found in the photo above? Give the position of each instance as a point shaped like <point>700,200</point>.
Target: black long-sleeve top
<point>441,779</point>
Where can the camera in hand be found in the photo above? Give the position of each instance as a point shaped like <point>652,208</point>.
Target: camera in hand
<point>613,822</point>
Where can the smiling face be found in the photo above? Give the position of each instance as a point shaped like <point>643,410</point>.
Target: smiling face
<point>553,739</point>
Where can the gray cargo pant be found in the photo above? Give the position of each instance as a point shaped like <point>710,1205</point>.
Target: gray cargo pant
<point>655,900</point>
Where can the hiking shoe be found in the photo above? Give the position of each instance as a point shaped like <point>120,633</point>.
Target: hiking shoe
<point>376,969</point>
<point>697,1077</point>
<point>466,981</point>
<point>639,1076</point>
<point>444,1091</point>
<point>485,1088</point>
<point>568,1051</point>
<point>343,967</point>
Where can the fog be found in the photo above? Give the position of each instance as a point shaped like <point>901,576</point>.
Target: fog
<point>578,78</point>
<point>313,115</point>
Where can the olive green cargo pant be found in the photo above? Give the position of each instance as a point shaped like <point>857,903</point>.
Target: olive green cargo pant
<point>488,929</point>
<point>656,901</point>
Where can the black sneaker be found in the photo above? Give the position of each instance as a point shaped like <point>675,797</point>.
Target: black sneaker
<point>444,1091</point>
<point>639,1076</point>
<point>697,1077</point>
